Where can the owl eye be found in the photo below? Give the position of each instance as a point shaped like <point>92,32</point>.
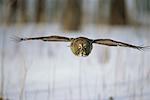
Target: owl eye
<point>84,45</point>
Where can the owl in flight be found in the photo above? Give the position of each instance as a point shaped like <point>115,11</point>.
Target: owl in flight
<point>82,46</point>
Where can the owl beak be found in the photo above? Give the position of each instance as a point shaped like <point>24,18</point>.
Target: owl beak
<point>81,46</point>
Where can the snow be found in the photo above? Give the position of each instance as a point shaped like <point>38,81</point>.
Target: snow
<point>36,70</point>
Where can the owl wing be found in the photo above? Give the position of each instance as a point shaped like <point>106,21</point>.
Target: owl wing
<point>110,42</point>
<point>48,38</point>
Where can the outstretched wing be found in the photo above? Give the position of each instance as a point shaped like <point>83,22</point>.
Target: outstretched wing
<point>48,38</point>
<point>110,42</point>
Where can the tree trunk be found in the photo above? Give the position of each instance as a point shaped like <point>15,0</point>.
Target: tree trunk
<point>102,14</point>
<point>118,12</point>
<point>72,15</point>
<point>22,11</point>
<point>11,11</point>
<point>40,5</point>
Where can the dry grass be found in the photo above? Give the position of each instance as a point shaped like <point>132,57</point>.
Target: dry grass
<point>1,98</point>
<point>24,76</point>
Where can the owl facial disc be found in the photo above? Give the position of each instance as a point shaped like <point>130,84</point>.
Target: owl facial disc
<point>81,46</point>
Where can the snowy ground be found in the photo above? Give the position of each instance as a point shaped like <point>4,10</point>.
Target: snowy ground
<point>36,70</point>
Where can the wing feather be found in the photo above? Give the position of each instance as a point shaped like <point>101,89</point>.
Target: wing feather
<point>49,38</point>
<point>110,42</point>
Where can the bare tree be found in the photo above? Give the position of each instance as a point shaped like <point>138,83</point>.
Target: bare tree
<point>118,12</point>
<point>22,11</point>
<point>103,11</point>
<point>40,5</point>
<point>72,15</point>
<point>11,11</point>
<point>56,10</point>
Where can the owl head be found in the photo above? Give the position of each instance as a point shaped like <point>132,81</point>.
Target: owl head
<point>81,46</point>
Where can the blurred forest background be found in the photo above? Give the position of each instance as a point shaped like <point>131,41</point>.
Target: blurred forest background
<point>37,70</point>
<point>72,14</point>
